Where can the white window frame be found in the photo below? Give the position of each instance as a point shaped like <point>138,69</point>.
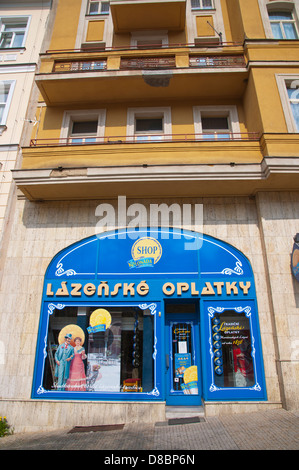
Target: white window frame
<point>266,6</point>
<point>14,20</point>
<point>230,112</point>
<point>283,80</point>
<point>282,22</point>
<point>7,102</point>
<point>200,7</point>
<point>83,115</point>
<point>133,113</point>
<point>100,2</point>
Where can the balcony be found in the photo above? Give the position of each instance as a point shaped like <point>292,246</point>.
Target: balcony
<point>179,166</point>
<point>133,15</point>
<point>73,77</point>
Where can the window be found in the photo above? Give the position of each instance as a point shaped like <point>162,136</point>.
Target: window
<point>84,126</point>
<point>288,86</point>
<point>215,127</point>
<point>149,124</point>
<point>201,4</point>
<point>13,31</point>
<point>98,8</point>
<point>6,90</point>
<point>232,348</point>
<point>216,123</point>
<point>110,350</point>
<point>293,95</point>
<point>283,25</point>
<point>83,132</point>
<point>148,128</point>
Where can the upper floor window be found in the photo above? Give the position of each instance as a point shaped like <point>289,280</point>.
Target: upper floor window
<point>283,25</point>
<point>216,122</point>
<point>13,31</point>
<point>215,127</point>
<point>288,87</point>
<point>83,132</point>
<point>149,124</point>
<point>6,90</point>
<point>293,95</point>
<point>83,126</point>
<point>96,7</point>
<point>202,4</point>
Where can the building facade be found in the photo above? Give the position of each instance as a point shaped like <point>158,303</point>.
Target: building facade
<point>22,32</point>
<point>150,260</point>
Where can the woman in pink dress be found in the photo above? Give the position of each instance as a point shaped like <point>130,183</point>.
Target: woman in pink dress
<point>77,378</point>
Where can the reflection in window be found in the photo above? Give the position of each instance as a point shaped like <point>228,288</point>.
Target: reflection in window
<point>283,25</point>
<point>215,127</point>
<point>110,350</point>
<point>201,4</point>
<point>97,7</point>
<point>293,94</point>
<point>12,32</point>
<point>84,132</point>
<point>233,362</point>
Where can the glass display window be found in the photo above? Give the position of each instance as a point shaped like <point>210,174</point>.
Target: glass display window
<point>98,350</point>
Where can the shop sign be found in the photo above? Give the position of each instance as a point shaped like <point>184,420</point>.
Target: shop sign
<point>106,289</point>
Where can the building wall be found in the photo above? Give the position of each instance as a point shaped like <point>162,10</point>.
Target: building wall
<point>40,230</point>
<point>18,65</point>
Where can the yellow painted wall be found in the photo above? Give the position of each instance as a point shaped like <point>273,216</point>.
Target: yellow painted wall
<point>66,24</point>
<point>251,18</point>
<point>269,100</point>
<point>235,20</point>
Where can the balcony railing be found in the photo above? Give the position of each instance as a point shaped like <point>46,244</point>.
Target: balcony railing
<point>80,66</point>
<point>217,61</point>
<point>147,63</point>
<point>148,138</point>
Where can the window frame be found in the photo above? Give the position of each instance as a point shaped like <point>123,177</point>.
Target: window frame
<point>201,8</point>
<point>7,103</point>
<point>230,112</point>
<point>83,115</point>
<point>8,19</point>
<point>282,22</point>
<point>283,82</point>
<point>266,6</point>
<point>100,2</point>
<point>157,112</point>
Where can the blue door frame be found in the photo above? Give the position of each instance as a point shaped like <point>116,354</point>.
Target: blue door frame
<point>182,353</point>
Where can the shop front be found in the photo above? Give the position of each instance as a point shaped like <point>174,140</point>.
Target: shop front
<point>154,315</point>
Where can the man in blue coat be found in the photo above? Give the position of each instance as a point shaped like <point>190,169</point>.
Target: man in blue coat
<point>63,356</point>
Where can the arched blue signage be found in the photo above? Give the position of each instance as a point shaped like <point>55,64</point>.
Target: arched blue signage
<point>114,290</point>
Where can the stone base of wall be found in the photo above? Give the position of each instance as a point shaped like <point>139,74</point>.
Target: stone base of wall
<point>46,415</point>
<point>223,408</point>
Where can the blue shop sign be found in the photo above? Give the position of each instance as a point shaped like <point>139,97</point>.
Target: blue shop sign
<point>112,294</point>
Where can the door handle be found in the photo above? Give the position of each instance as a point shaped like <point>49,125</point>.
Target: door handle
<point>167,361</point>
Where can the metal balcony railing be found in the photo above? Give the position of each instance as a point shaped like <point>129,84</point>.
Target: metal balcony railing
<point>138,63</point>
<point>80,66</point>
<point>217,61</point>
<point>148,138</point>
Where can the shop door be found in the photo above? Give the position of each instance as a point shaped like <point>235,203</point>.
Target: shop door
<point>182,360</point>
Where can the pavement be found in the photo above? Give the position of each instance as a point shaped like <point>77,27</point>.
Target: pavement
<point>263,430</point>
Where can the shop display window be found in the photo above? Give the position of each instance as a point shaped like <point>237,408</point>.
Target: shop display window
<point>232,350</point>
<point>100,350</point>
